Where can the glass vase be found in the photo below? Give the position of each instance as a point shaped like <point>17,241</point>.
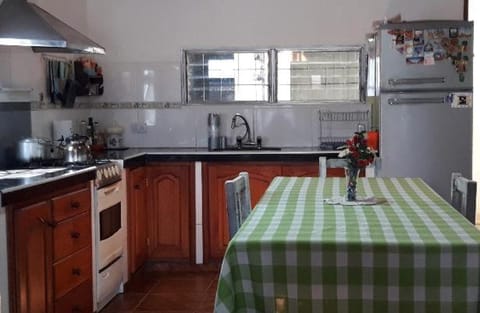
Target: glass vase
<point>351,177</point>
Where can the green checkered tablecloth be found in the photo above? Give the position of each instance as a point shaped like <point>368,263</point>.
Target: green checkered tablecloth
<point>412,253</point>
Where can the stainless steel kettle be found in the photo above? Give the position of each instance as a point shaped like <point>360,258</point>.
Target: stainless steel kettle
<point>76,149</point>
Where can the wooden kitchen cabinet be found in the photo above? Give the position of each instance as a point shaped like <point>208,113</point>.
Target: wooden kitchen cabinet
<point>171,211</point>
<point>33,258</point>
<point>215,223</point>
<point>303,169</point>
<point>51,252</point>
<point>137,218</point>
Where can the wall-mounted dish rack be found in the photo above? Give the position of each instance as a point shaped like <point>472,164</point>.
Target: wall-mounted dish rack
<point>338,126</point>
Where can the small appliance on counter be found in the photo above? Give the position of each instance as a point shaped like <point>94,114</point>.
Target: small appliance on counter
<point>115,137</point>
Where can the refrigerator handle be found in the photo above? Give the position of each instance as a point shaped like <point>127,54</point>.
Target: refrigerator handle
<point>416,81</point>
<point>439,100</point>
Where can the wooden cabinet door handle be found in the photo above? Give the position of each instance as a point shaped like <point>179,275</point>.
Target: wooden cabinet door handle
<point>75,204</point>
<point>76,271</point>
<point>46,222</point>
<point>75,234</point>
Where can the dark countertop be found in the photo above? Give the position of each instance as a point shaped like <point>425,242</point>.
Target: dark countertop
<point>139,156</point>
<point>10,186</point>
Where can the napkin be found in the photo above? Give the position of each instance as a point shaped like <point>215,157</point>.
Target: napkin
<point>359,201</point>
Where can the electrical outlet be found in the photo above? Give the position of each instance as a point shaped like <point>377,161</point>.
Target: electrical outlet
<point>139,128</point>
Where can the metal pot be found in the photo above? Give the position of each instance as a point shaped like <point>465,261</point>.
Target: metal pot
<point>76,150</point>
<point>33,149</point>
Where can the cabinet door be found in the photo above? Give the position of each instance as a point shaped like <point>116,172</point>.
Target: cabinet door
<point>170,186</point>
<point>303,169</point>
<point>138,218</point>
<point>33,258</point>
<point>215,221</point>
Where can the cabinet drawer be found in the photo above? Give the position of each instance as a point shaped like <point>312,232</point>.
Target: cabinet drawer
<point>72,271</point>
<point>78,300</point>
<point>72,235</point>
<point>71,204</point>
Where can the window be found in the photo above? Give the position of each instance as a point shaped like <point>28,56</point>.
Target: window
<point>214,77</point>
<point>283,75</point>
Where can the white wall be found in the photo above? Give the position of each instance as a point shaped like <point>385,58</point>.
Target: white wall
<point>144,35</point>
<point>144,39</point>
<point>149,35</point>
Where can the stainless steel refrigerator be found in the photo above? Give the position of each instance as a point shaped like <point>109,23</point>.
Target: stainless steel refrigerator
<point>421,76</point>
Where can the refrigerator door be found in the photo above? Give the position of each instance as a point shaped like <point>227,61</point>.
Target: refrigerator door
<point>426,56</point>
<point>423,136</point>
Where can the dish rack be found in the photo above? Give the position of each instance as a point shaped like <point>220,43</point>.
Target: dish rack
<point>338,126</point>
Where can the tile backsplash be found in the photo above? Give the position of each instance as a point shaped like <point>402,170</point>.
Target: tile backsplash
<point>174,125</point>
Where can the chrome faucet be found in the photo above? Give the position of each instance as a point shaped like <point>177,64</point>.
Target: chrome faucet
<point>235,124</point>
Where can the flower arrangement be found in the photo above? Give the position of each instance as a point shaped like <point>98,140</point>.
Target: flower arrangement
<point>356,151</point>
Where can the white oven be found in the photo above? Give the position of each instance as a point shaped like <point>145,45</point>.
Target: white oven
<point>110,234</point>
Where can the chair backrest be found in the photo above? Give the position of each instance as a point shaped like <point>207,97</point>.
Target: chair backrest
<point>237,194</point>
<point>325,163</point>
<point>463,195</point>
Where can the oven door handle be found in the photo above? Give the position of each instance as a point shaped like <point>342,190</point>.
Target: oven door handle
<point>111,190</point>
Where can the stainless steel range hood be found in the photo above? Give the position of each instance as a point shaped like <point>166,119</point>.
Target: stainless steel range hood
<point>26,24</point>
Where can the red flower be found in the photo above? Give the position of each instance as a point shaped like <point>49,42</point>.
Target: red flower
<point>357,153</point>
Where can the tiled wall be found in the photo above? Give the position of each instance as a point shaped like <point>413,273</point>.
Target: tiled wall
<point>186,126</point>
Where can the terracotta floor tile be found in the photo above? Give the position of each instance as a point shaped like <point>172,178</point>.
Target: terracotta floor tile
<point>171,289</point>
<point>125,302</point>
<point>140,284</point>
<point>174,302</point>
<point>192,283</point>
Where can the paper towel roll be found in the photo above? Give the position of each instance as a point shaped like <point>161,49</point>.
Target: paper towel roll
<point>62,128</point>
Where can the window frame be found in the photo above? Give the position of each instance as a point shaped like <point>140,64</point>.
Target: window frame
<point>272,67</point>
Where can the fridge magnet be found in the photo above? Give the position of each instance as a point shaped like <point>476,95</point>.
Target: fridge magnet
<point>439,54</point>
<point>418,37</point>
<point>399,42</point>
<point>415,60</point>
<point>429,59</point>
<point>429,34</point>
<point>417,55</point>
<point>465,32</point>
<point>460,100</point>
<point>408,34</point>
<point>408,49</point>
<point>453,32</point>
<point>439,33</point>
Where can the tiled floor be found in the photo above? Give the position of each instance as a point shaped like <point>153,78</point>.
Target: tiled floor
<point>165,290</point>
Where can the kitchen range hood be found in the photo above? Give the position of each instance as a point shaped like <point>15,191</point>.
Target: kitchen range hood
<point>26,24</point>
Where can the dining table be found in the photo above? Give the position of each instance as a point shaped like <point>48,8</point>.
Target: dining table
<point>400,247</point>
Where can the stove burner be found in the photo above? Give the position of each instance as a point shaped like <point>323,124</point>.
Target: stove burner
<point>107,172</point>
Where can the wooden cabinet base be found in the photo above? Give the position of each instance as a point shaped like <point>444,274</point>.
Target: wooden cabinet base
<point>78,300</point>
<point>50,254</point>
<point>171,212</point>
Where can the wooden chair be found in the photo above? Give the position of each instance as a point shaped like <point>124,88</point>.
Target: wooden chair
<point>237,194</point>
<point>338,165</point>
<point>463,193</point>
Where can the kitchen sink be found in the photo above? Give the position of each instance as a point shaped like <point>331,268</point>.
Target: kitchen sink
<point>252,148</point>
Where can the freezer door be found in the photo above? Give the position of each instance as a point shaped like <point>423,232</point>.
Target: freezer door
<point>422,136</point>
<point>423,62</point>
